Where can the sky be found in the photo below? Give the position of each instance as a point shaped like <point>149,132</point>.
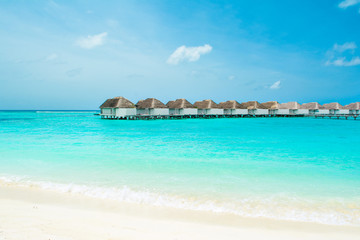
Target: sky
<point>75,54</point>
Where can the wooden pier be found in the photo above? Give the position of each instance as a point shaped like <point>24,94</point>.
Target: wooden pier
<point>164,117</point>
<point>338,116</point>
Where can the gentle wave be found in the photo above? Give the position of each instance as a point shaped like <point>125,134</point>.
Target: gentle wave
<point>15,119</point>
<point>331,212</point>
<point>66,111</point>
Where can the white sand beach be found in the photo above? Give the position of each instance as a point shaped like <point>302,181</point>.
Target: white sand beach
<point>28,213</point>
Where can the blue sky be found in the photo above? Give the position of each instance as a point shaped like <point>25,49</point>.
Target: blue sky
<point>75,54</point>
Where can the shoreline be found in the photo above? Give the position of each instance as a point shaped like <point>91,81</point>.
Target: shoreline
<point>288,210</point>
<point>43,214</point>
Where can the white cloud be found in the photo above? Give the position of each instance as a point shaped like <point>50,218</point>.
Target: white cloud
<point>92,41</point>
<point>190,54</point>
<point>348,3</point>
<point>341,62</point>
<point>336,56</point>
<point>344,47</point>
<point>51,57</point>
<point>231,77</point>
<point>276,85</point>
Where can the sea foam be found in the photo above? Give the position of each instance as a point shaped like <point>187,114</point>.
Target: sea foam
<point>334,212</point>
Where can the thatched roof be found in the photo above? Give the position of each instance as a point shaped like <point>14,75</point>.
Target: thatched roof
<point>117,102</point>
<point>333,105</point>
<point>206,104</point>
<point>312,105</point>
<point>290,105</point>
<point>150,103</point>
<point>180,103</point>
<point>271,105</point>
<point>232,104</point>
<point>353,106</point>
<point>253,105</point>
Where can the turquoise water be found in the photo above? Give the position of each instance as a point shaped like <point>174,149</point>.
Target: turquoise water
<point>298,169</point>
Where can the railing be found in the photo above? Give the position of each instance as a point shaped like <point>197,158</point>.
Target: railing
<point>228,115</point>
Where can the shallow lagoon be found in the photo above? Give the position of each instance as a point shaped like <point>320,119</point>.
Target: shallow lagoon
<point>285,168</point>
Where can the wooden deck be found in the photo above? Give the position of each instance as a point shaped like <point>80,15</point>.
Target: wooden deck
<point>338,116</point>
<point>151,117</point>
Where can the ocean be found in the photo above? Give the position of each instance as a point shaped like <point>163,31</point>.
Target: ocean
<point>298,169</point>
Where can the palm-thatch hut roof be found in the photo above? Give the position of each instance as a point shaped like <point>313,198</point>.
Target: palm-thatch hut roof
<point>117,102</point>
<point>253,105</point>
<point>290,105</point>
<point>353,106</point>
<point>271,105</point>
<point>150,103</point>
<point>232,104</point>
<point>180,103</point>
<point>312,106</point>
<point>333,105</point>
<point>206,104</point>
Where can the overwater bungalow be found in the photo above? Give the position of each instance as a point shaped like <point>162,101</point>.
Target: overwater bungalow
<point>181,107</point>
<point>335,108</point>
<point>117,107</point>
<point>255,108</point>
<point>208,107</point>
<point>354,108</point>
<point>272,106</point>
<point>314,108</point>
<point>233,107</point>
<point>289,108</point>
<point>151,106</point>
